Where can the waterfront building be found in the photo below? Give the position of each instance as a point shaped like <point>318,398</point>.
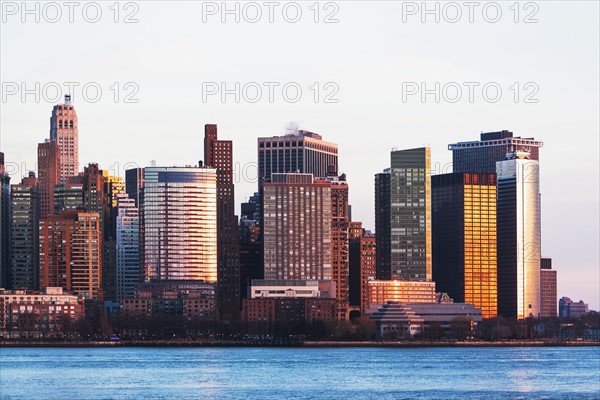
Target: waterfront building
<point>464,238</point>
<point>261,288</point>
<point>548,288</point>
<point>49,314</point>
<point>24,249</point>
<point>179,224</point>
<point>518,236</point>
<point>297,228</point>
<point>482,155</point>
<point>64,131</point>
<point>394,320</point>
<point>405,292</point>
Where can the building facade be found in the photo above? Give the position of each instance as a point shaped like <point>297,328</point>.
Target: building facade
<point>410,186</point>
<point>519,236</point>
<point>179,224</point>
<point>300,151</point>
<point>129,272</point>
<point>548,289</point>
<point>405,292</point>
<point>568,308</point>
<point>218,154</point>
<point>464,238</point>
<point>297,228</point>
<point>48,157</point>
<point>49,314</point>
<point>340,243</point>
<point>24,248</point>
<point>383,227</point>
<point>362,266</point>
<point>4,225</point>
<point>71,253</point>
<point>64,131</point>
<point>134,182</point>
<point>482,155</point>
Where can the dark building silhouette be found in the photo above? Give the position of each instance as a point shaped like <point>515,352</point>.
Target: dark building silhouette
<point>134,182</point>
<point>48,176</point>
<point>218,154</point>
<point>4,225</point>
<point>383,227</point>
<point>251,258</point>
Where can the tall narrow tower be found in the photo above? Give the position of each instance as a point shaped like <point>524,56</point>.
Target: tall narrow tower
<point>218,154</point>
<point>48,175</point>
<point>64,132</point>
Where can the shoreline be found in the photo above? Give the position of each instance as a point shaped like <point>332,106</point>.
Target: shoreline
<point>305,344</point>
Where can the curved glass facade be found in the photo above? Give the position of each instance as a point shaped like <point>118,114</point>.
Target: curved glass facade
<point>179,234</point>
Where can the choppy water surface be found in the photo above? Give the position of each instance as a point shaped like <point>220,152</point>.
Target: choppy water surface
<point>300,373</point>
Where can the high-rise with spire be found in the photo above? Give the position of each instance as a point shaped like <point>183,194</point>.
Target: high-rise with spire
<point>64,131</point>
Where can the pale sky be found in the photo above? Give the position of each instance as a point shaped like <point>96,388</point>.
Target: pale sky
<point>368,61</point>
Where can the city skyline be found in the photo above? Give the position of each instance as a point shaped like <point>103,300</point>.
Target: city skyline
<point>370,104</point>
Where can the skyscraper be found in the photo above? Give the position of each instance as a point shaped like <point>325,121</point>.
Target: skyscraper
<point>410,195</point>
<point>548,293</point>
<point>134,182</point>
<point>383,225</point>
<point>300,151</point>
<point>64,131</point>
<point>68,196</point>
<point>71,253</point>
<point>481,156</point>
<point>251,259</point>
<point>297,228</point>
<point>519,236</point>
<point>128,246</point>
<point>179,224</point>
<point>48,175</point>
<point>339,242</point>
<point>4,225</point>
<point>218,154</point>
<point>24,248</point>
<point>464,238</point>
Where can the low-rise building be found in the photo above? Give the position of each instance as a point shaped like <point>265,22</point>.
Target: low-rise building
<point>28,314</point>
<point>405,292</point>
<point>568,308</point>
<point>394,320</point>
<point>265,288</point>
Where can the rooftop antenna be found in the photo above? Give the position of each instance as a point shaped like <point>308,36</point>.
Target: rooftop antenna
<point>292,128</point>
<point>153,163</point>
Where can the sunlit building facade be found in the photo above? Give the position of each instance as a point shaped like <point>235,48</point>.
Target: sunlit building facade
<point>64,131</point>
<point>405,292</point>
<point>519,236</point>
<point>297,228</point>
<point>464,238</point>
<point>179,224</point>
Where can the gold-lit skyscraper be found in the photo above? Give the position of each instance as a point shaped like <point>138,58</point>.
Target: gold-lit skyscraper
<point>464,238</point>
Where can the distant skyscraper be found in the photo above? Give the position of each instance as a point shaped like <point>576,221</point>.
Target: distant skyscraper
<point>251,262</point>
<point>48,175</point>
<point>383,224</point>
<point>64,131</point>
<point>179,224</point>
<point>339,242</point>
<point>297,228</point>
<point>71,253</point>
<point>24,248</point>
<point>519,236</point>
<point>218,154</point>
<point>464,238</point>
<point>481,156</point>
<point>410,188</point>
<point>301,151</point>
<point>568,308</point>
<point>548,292</point>
<point>134,182</point>
<point>4,225</point>
<point>128,247</point>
